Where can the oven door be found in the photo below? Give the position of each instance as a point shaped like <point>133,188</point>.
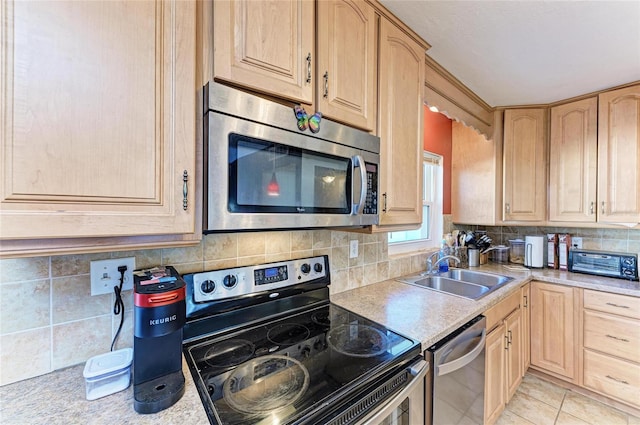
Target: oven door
<point>406,407</point>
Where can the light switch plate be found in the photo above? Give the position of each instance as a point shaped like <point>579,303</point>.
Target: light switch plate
<point>105,275</point>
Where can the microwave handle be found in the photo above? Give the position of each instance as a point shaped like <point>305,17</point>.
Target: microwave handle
<point>358,161</point>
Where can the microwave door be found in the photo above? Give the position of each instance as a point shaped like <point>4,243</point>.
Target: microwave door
<point>326,183</point>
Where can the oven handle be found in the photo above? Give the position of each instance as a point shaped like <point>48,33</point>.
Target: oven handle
<point>461,362</point>
<point>358,161</point>
<point>419,370</point>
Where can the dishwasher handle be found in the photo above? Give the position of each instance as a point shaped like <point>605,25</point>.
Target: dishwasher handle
<point>461,362</point>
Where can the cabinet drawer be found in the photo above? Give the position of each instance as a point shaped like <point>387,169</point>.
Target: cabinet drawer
<point>498,312</point>
<point>611,334</point>
<point>612,377</point>
<point>612,303</point>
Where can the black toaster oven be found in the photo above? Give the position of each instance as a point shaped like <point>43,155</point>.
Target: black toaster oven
<point>622,265</point>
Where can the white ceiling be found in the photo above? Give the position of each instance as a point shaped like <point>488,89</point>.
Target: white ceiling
<point>529,52</point>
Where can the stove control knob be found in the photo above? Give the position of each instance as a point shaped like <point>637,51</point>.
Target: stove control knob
<point>305,268</point>
<point>305,352</point>
<point>229,281</point>
<point>208,286</point>
<point>317,267</point>
<point>319,345</point>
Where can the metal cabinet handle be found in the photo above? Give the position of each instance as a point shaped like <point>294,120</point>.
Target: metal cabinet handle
<point>506,344</point>
<point>185,189</point>
<point>384,202</point>
<point>326,84</point>
<point>617,338</point>
<point>510,336</point>
<point>526,301</point>
<point>622,381</point>
<point>507,208</point>
<point>617,305</point>
<point>309,68</point>
<point>602,207</point>
<point>592,207</point>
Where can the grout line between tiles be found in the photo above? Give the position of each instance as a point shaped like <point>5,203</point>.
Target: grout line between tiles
<point>560,407</point>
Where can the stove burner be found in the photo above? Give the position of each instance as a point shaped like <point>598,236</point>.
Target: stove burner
<point>357,340</point>
<point>229,353</point>
<point>266,384</point>
<point>321,318</point>
<point>288,334</point>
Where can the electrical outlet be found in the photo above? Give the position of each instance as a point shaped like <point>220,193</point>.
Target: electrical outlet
<point>576,242</point>
<point>353,248</point>
<point>105,275</point>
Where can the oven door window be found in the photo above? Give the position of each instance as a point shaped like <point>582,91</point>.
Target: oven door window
<point>271,177</point>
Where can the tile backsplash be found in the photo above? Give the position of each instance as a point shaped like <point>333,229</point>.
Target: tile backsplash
<point>621,240</point>
<point>49,320</point>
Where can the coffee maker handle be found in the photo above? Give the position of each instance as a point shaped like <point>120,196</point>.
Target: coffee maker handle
<point>528,255</point>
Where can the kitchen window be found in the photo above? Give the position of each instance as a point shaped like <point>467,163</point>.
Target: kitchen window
<point>429,234</point>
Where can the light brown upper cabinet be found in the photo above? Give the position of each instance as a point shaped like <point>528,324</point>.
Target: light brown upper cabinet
<point>98,118</point>
<point>347,62</point>
<point>573,161</point>
<point>525,182</point>
<point>619,156</point>
<point>266,46</point>
<point>476,164</point>
<point>400,122</point>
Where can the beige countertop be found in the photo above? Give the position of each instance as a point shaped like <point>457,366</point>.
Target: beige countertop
<point>59,398</point>
<point>422,314</point>
<point>428,316</point>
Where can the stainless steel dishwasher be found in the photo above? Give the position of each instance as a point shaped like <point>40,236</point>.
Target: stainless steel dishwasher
<point>457,385</point>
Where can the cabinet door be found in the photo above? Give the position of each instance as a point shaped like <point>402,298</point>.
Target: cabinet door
<point>619,156</point>
<point>552,329</point>
<point>572,161</point>
<point>525,184</point>
<point>346,80</point>
<point>474,176</point>
<point>513,325</point>
<point>98,118</point>
<point>526,327</point>
<point>400,118</point>
<point>495,394</point>
<point>266,46</point>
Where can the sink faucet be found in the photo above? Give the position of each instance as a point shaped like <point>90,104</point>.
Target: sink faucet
<point>431,264</point>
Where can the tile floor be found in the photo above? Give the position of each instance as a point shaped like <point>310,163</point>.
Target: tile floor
<point>540,402</point>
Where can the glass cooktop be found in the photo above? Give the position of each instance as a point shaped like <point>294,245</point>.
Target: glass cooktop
<point>290,369</point>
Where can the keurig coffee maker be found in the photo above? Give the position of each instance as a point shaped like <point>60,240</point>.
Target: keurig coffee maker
<point>159,314</point>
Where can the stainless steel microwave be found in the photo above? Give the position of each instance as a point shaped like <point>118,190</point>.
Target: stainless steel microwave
<point>265,169</point>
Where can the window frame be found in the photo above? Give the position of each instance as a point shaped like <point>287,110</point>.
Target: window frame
<point>435,210</point>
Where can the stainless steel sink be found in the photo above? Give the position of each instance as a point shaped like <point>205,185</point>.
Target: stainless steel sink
<point>479,278</point>
<point>460,282</point>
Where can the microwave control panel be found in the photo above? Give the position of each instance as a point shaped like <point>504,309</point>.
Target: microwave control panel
<point>371,202</point>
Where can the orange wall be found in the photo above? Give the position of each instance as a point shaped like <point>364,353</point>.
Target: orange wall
<point>437,139</point>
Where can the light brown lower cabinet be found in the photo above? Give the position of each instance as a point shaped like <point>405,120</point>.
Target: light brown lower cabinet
<point>611,353</point>
<point>589,338</point>
<point>525,294</point>
<point>495,397</point>
<point>553,329</point>
<point>504,354</point>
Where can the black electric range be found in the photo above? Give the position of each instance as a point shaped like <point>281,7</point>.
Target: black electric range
<point>266,346</point>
